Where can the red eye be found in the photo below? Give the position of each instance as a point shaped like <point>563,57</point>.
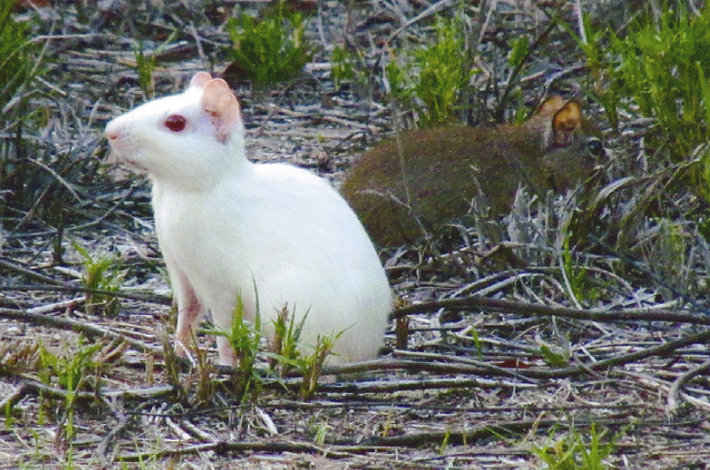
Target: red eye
<point>175,122</point>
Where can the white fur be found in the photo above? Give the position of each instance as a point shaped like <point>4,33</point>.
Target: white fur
<point>228,227</point>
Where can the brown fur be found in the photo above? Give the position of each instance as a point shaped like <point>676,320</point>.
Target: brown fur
<point>425,178</point>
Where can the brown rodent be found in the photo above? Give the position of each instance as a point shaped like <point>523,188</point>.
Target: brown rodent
<point>414,184</point>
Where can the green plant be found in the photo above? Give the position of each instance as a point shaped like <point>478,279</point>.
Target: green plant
<point>312,366</point>
<point>553,358</point>
<point>666,255</point>
<point>285,354</point>
<point>348,66</point>
<point>321,432</point>
<point>271,49</point>
<point>574,452</point>
<point>520,49</point>
<point>244,338</point>
<point>145,65</point>
<point>201,375</point>
<point>444,442</point>
<point>342,65</point>
<point>593,41</point>
<point>431,80</point>
<point>284,346</point>
<point>18,64</point>
<point>71,371</point>
<point>101,272</point>
<point>576,276</point>
<point>477,342</point>
<point>205,383</point>
<point>40,445</point>
<point>662,63</point>
<point>146,458</point>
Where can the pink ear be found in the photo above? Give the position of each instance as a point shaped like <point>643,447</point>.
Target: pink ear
<point>220,103</point>
<point>200,79</point>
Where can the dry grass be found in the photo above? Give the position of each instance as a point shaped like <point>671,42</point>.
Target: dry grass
<point>516,338</point>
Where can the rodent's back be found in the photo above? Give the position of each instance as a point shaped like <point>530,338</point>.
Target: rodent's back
<point>348,292</point>
<point>425,178</point>
<point>287,237</point>
<point>400,190</point>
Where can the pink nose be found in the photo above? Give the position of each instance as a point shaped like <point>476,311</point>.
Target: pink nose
<point>112,131</point>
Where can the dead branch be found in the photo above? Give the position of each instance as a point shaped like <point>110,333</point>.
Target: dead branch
<point>503,429</point>
<point>13,398</point>
<point>28,272</point>
<point>524,308</point>
<point>92,331</point>
<point>682,380</point>
<point>497,430</point>
<point>60,287</point>
<point>104,446</point>
<point>222,447</point>
<point>660,350</point>
<point>419,366</point>
<point>531,373</point>
<point>31,386</point>
<point>419,384</point>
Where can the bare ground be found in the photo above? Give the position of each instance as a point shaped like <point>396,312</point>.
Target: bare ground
<point>475,387</point>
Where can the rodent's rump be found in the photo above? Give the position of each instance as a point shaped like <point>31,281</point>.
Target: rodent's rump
<point>272,235</point>
<point>425,178</point>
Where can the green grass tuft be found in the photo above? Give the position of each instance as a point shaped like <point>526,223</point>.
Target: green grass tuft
<point>272,49</point>
<point>575,452</point>
<point>101,272</point>
<point>71,370</point>
<point>431,80</point>
<point>659,68</point>
<point>17,61</point>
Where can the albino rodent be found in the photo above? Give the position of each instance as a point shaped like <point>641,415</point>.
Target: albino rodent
<point>429,177</point>
<point>229,228</point>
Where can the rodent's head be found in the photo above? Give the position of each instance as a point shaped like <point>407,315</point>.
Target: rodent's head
<point>188,140</point>
<point>574,146</point>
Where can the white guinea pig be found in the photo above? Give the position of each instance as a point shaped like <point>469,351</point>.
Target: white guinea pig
<point>229,228</point>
